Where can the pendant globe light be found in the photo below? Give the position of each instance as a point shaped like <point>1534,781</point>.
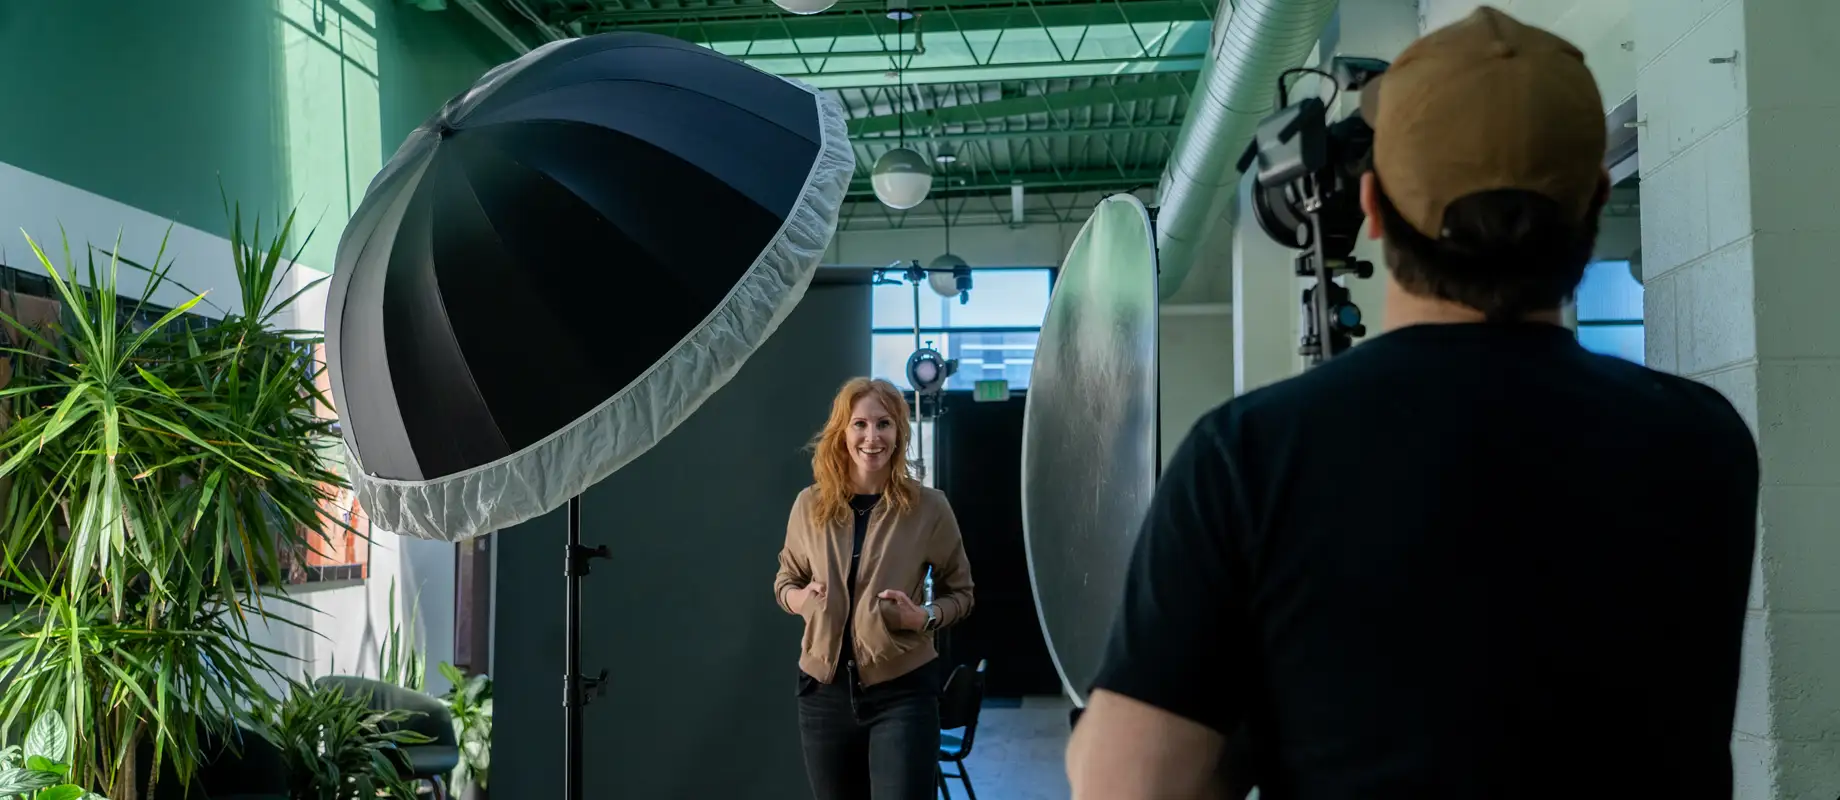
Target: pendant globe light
<point>804,7</point>
<point>948,275</point>
<point>901,178</point>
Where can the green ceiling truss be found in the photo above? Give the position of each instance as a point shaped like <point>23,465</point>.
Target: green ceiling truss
<point>1064,96</point>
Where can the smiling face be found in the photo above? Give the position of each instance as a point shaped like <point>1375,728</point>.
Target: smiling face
<point>870,439</point>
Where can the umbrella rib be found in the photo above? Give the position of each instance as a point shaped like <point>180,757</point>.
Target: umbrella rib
<point>447,324</point>
<point>512,157</point>
<point>668,86</point>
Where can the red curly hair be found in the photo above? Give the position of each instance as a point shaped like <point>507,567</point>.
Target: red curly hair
<point>830,453</point>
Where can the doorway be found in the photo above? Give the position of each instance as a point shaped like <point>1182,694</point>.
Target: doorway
<point>979,466</point>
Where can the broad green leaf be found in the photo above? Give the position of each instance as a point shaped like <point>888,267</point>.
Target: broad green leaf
<point>63,792</point>
<point>47,739</point>
<point>17,781</point>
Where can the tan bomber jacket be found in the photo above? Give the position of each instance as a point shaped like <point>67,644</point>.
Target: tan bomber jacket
<point>896,552</point>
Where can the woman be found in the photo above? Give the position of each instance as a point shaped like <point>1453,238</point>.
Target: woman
<point>858,545</point>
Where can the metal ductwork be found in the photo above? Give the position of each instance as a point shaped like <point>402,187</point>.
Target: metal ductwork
<point>491,22</point>
<point>1237,89</point>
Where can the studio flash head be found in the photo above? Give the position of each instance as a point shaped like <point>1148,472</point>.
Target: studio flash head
<point>1307,195</point>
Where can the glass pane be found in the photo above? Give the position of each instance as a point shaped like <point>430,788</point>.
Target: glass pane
<point>888,357</point>
<point>1608,291</point>
<point>989,356</point>
<point>981,356</point>
<point>1622,341</point>
<point>894,305</point>
<point>1000,298</point>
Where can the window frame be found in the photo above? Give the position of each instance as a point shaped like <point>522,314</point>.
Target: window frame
<point>1639,323</point>
<point>1053,273</point>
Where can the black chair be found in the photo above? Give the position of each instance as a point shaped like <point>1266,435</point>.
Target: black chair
<point>959,705</point>
<point>424,762</point>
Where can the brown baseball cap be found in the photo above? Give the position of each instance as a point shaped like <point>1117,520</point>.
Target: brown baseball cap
<point>1486,103</point>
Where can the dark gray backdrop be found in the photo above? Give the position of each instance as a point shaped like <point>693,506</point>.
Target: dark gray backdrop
<point>703,663</point>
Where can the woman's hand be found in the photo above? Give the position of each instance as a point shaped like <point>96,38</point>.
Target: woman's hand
<point>797,598</point>
<point>911,617</point>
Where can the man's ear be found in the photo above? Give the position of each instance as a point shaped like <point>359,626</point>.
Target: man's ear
<point>1603,188</point>
<point>1370,203</point>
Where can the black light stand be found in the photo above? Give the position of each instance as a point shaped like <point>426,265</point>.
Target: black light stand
<point>1331,319</point>
<point>576,690</point>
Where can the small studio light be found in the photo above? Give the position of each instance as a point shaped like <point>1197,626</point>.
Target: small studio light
<point>927,371</point>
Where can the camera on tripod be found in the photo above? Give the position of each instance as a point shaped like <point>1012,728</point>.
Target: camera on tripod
<point>1307,197</point>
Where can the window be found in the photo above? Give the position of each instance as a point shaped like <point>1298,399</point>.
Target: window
<point>1609,308</point>
<point>993,335</point>
<point>1009,355</point>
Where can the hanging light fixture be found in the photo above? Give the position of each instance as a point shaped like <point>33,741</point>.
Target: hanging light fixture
<point>948,274</point>
<point>901,177</point>
<point>805,7</point>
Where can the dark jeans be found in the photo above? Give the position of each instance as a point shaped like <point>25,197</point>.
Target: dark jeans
<point>871,743</point>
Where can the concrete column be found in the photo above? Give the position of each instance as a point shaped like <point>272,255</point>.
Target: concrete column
<point>1268,318</point>
<point>1740,247</point>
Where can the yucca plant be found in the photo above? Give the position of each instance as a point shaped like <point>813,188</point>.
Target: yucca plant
<point>160,470</point>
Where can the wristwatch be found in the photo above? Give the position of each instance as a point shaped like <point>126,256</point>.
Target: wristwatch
<point>932,617</point>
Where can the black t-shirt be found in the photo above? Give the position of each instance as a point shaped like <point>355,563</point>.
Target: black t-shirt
<point>1458,561</point>
<point>861,506</point>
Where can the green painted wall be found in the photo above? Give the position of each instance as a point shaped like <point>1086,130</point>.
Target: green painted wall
<point>287,101</point>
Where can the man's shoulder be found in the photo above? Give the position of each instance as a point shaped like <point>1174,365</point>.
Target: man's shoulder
<point>1693,408</point>
<point>1328,395</point>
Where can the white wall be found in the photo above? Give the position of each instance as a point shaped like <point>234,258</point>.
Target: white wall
<point>1195,366</point>
<point>1739,244</point>
<point>1037,244</point>
<point>36,205</point>
<point>346,619</point>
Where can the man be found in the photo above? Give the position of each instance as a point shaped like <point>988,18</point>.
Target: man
<point>1467,559</point>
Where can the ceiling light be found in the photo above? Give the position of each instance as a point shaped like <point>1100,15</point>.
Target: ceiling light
<point>805,7</point>
<point>901,179</point>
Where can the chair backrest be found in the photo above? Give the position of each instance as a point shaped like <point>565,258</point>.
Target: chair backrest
<point>962,699</point>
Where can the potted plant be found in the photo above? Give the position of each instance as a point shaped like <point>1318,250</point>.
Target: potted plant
<point>336,747</point>
<point>158,465</point>
<point>41,769</point>
<point>470,701</point>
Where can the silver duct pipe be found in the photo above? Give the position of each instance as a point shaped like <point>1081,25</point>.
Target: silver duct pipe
<point>1236,89</point>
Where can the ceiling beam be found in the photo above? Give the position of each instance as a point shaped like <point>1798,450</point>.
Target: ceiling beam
<point>708,25</point>
<point>1158,87</point>
<point>1021,133</point>
<point>1092,179</point>
<point>981,73</point>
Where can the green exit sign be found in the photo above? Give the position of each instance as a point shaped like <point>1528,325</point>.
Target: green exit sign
<point>995,391</point>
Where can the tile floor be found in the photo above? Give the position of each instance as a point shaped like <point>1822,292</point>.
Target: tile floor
<point>1018,751</point>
